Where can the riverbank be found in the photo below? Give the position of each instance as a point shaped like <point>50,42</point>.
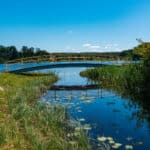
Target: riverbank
<point>27,123</point>
<point>127,80</point>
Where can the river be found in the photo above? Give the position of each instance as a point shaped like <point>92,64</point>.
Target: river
<point>106,113</point>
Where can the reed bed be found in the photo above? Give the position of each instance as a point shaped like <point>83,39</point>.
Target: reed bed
<point>123,79</point>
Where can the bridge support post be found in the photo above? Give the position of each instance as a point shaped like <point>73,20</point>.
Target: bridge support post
<point>6,67</point>
<point>21,64</point>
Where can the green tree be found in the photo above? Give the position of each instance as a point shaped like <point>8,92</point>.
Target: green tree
<point>143,50</point>
<point>12,52</point>
<point>27,52</point>
<point>41,52</point>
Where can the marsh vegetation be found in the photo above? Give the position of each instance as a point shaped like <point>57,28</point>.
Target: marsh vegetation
<point>27,123</point>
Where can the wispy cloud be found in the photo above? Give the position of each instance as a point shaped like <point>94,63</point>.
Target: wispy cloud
<point>87,47</point>
<point>90,46</point>
<point>101,47</point>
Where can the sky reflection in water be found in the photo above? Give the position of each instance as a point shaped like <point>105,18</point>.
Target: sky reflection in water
<point>108,114</point>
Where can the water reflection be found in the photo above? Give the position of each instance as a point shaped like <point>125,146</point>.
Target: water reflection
<point>137,101</point>
<point>106,116</point>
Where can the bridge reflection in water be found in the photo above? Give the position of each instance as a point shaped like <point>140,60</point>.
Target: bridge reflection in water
<point>73,87</point>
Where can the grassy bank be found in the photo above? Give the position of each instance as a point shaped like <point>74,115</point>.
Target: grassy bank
<point>127,80</point>
<point>26,123</point>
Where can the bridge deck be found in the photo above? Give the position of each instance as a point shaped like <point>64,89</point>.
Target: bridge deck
<point>57,65</point>
<point>30,66</point>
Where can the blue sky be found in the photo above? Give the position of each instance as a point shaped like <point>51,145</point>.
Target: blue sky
<point>74,25</point>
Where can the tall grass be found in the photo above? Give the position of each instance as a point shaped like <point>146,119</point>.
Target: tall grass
<point>28,123</point>
<point>124,79</point>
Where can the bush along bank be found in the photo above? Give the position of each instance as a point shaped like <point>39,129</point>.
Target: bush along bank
<point>124,79</point>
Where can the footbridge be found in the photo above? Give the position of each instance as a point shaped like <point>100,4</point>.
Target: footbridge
<point>47,62</point>
<point>40,66</point>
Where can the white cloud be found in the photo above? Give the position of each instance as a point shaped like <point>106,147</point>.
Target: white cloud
<point>86,45</point>
<point>90,46</point>
<point>105,47</point>
<point>95,46</point>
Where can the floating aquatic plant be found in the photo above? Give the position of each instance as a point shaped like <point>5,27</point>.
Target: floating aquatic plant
<point>129,138</point>
<point>110,138</point>
<point>111,142</point>
<point>128,147</point>
<point>87,127</point>
<point>102,139</point>
<point>140,143</point>
<point>82,119</point>
<point>87,101</point>
<point>116,145</point>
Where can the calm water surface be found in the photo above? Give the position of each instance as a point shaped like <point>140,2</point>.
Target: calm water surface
<point>107,113</point>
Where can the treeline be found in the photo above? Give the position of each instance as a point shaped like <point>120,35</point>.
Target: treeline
<point>130,55</point>
<point>11,52</point>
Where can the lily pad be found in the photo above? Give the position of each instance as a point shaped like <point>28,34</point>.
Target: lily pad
<point>128,147</point>
<point>109,138</point>
<point>112,142</point>
<point>117,145</point>
<point>102,139</point>
<point>86,127</point>
<point>129,138</point>
<point>82,119</point>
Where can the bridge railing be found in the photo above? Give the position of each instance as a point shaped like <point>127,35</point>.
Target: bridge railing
<point>49,59</point>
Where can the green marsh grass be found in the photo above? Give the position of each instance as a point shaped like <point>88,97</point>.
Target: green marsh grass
<point>127,78</point>
<point>27,123</point>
